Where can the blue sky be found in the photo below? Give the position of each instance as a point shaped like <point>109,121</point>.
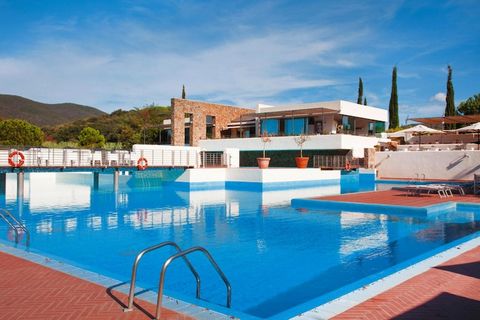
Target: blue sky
<point>125,54</point>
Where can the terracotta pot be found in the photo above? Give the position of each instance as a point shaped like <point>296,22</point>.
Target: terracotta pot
<point>263,162</point>
<point>302,162</point>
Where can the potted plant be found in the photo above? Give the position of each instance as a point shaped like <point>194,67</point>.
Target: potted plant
<point>264,162</point>
<point>302,162</point>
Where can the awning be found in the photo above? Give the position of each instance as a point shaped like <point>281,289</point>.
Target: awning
<point>448,120</point>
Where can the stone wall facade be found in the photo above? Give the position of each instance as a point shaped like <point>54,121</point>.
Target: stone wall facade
<point>200,110</point>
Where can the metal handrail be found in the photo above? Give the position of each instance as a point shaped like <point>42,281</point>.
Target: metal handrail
<point>11,226</point>
<point>18,225</point>
<point>183,254</point>
<point>131,294</point>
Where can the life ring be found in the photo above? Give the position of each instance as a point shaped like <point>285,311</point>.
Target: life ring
<point>20,160</point>
<point>142,163</point>
<point>347,166</point>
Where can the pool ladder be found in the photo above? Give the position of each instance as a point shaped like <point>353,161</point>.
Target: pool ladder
<point>180,254</point>
<point>15,224</point>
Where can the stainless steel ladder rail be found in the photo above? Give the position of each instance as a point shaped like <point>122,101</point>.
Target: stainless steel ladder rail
<point>131,294</point>
<point>18,225</point>
<point>183,254</point>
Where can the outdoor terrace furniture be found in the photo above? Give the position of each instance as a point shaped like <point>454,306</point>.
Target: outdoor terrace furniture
<point>443,190</point>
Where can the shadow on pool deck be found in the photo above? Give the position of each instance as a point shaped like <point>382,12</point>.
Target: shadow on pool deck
<point>444,306</point>
<point>471,269</point>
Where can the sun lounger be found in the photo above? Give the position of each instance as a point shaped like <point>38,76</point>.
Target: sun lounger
<point>442,190</point>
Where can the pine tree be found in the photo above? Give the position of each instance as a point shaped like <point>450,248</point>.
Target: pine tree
<point>365,101</point>
<point>184,95</point>
<point>450,102</point>
<point>393,105</point>
<point>360,91</point>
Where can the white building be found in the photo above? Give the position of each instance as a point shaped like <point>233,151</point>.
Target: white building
<point>334,125</point>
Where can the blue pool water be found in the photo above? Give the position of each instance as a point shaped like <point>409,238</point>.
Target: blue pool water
<point>279,260</point>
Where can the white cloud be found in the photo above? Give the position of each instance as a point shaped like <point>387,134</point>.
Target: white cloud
<point>241,71</point>
<point>440,97</point>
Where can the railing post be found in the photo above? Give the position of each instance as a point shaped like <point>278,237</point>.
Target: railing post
<point>20,184</point>
<point>116,174</point>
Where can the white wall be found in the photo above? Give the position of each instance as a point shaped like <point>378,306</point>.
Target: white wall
<point>232,157</point>
<point>361,111</point>
<point>257,175</point>
<point>320,142</point>
<point>456,165</point>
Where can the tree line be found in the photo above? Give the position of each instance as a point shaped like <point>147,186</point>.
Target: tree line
<point>467,107</point>
<point>120,129</point>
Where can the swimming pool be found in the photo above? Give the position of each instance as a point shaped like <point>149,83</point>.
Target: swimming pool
<point>280,261</point>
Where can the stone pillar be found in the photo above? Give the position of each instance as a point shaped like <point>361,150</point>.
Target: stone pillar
<point>3,183</point>
<point>198,129</point>
<point>96,179</point>
<point>178,124</point>
<point>20,184</point>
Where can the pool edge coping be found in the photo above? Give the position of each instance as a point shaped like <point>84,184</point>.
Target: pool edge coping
<point>174,304</point>
<point>351,299</point>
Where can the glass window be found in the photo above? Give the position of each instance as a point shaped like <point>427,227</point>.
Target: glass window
<point>379,126</point>
<point>371,127</point>
<point>295,126</point>
<point>270,125</point>
<point>210,125</point>
<point>345,124</point>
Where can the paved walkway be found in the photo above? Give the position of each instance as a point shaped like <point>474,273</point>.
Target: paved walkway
<point>448,291</point>
<point>401,198</point>
<point>31,291</point>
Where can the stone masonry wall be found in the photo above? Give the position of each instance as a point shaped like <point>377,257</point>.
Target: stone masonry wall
<point>200,110</point>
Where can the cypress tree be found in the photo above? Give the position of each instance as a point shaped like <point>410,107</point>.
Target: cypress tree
<point>184,95</point>
<point>360,91</point>
<point>365,101</point>
<point>450,102</point>
<point>393,105</point>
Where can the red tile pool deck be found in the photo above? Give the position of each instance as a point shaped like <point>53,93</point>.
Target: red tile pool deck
<point>32,291</point>
<point>448,291</point>
<point>400,198</point>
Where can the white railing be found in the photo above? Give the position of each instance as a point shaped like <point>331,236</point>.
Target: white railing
<point>50,157</point>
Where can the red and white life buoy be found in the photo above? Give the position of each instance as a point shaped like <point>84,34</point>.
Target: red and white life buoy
<point>142,163</point>
<point>347,166</point>
<point>16,159</point>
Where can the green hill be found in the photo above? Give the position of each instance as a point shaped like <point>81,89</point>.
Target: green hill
<point>43,114</point>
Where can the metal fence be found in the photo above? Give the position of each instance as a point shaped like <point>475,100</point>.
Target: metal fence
<point>213,159</point>
<point>50,157</point>
<point>337,162</point>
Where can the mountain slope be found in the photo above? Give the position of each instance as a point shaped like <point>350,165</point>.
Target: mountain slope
<point>43,114</point>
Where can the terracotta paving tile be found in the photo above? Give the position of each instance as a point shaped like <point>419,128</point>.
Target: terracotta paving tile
<point>401,198</point>
<point>32,291</point>
<point>448,291</point>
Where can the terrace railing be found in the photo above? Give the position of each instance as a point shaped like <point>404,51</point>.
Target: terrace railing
<point>336,162</point>
<point>213,159</point>
<point>50,157</point>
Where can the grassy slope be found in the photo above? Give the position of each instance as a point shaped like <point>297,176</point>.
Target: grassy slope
<point>43,114</point>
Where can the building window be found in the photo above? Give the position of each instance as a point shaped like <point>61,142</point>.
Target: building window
<point>271,126</point>
<point>188,125</point>
<point>371,128</point>
<point>210,127</point>
<point>166,136</point>
<point>379,127</point>
<point>295,126</point>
